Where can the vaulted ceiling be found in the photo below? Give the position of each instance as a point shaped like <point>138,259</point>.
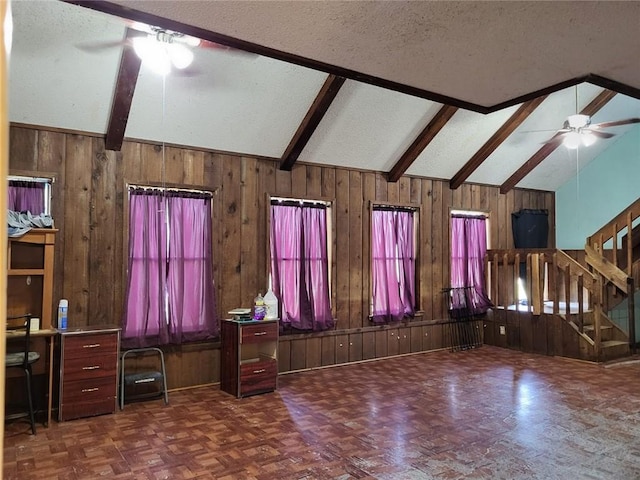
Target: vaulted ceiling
<point>462,91</point>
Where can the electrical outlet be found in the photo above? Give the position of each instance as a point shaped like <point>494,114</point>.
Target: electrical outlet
<point>503,330</point>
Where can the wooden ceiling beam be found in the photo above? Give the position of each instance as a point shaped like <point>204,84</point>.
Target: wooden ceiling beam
<point>420,143</point>
<point>536,159</point>
<point>317,111</point>
<point>495,141</point>
<point>123,96</point>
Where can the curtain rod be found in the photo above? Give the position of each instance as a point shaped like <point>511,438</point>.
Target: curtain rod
<point>394,208</point>
<point>148,188</point>
<point>22,178</point>
<point>293,202</point>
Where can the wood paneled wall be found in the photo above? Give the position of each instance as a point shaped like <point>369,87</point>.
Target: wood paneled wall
<point>89,205</point>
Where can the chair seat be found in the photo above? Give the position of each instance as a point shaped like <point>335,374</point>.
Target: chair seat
<point>143,377</point>
<point>17,359</point>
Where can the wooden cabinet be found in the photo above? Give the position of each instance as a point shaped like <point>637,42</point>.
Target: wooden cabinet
<point>30,275</point>
<point>30,260</point>
<point>88,372</point>
<point>249,363</point>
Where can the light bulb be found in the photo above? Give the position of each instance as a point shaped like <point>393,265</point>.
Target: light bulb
<point>181,56</point>
<point>141,46</point>
<point>191,41</point>
<point>588,138</point>
<point>572,140</point>
<point>153,54</point>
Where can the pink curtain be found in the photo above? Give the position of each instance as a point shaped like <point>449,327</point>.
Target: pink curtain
<point>144,322</point>
<point>170,294</point>
<point>190,269</point>
<point>468,248</point>
<point>26,196</point>
<point>299,266</point>
<point>393,265</point>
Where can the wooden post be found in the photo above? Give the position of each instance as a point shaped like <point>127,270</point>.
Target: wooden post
<point>496,280</point>
<point>629,244</point>
<point>580,300</point>
<point>535,273</point>
<point>614,240</point>
<point>4,170</point>
<point>556,285</point>
<point>516,279</point>
<point>597,315</point>
<point>631,313</point>
<point>505,267</point>
<point>567,290</point>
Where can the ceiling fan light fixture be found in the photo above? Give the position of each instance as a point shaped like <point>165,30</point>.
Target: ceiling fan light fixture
<point>578,121</point>
<point>572,140</point>
<point>588,138</point>
<point>181,57</point>
<point>159,53</point>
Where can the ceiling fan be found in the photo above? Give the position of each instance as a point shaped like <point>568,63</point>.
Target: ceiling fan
<point>578,130</point>
<point>159,48</point>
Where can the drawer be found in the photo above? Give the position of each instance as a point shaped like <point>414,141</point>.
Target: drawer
<point>90,390</point>
<point>84,368</point>
<point>258,377</point>
<point>259,333</point>
<point>69,411</point>
<point>76,346</point>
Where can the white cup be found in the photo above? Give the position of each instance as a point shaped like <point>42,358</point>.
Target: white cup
<point>35,324</point>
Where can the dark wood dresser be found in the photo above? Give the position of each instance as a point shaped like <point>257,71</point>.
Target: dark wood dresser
<point>249,363</point>
<point>88,371</point>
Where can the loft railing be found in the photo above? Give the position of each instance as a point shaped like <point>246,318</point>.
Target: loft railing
<point>544,281</point>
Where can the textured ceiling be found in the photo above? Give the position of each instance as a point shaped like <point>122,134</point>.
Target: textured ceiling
<point>482,52</point>
<point>65,61</point>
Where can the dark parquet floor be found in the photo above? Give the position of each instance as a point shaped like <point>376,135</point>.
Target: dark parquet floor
<point>486,413</point>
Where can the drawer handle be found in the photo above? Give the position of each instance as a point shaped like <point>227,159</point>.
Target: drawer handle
<point>87,390</point>
<point>92,367</point>
<point>262,370</point>
<point>257,334</point>
<point>91,345</point>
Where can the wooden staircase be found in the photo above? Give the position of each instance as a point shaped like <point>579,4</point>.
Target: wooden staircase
<point>563,298</point>
<point>564,309</point>
<point>613,253</point>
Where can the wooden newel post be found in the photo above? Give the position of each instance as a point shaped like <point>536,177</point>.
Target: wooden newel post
<point>631,313</point>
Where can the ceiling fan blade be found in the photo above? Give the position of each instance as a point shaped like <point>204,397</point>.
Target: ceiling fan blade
<point>616,123</point>
<point>217,46</point>
<point>96,47</point>
<point>600,134</point>
<point>557,139</point>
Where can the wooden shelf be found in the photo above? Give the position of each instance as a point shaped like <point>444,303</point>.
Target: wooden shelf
<point>31,255</point>
<point>25,272</point>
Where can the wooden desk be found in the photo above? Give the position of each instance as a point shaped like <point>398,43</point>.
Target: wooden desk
<point>49,335</point>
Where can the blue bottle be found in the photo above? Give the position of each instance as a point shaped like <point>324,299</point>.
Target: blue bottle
<point>63,308</point>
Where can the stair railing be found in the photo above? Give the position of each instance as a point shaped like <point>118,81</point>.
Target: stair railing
<point>619,226</point>
<point>615,265</point>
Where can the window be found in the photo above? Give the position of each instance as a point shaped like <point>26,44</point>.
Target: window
<point>30,194</point>
<point>393,263</point>
<point>170,291</point>
<point>468,248</point>
<point>300,263</point>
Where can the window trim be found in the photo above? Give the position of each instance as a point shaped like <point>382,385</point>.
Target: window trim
<point>129,186</point>
<point>46,179</point>
<point>329,205</point>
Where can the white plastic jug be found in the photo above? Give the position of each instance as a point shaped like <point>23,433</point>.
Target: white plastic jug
<point>271,302</point>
